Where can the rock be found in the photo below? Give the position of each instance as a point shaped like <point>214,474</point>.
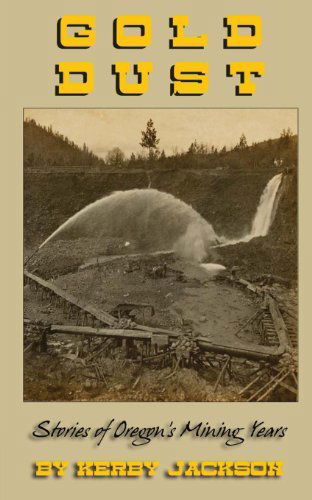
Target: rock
<point>87,384</point>
<point>119,387</point>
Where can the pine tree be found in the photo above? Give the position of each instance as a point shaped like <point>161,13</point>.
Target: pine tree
<point>286,136</point>
<point>242,142</point>
<point>149,139</point>
<point>198,148</point>
<point>192,150</point>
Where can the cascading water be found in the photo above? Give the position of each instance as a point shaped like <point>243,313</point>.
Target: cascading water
<point>264,214</point>
<point>265,211</point>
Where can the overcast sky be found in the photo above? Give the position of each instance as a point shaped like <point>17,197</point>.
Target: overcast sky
<point>104,129</point>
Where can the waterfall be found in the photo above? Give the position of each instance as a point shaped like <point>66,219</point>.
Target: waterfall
<point>264,215</point>
<point>265,211</point>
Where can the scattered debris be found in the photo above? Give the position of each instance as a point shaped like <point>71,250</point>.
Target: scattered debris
<point>250,372</point>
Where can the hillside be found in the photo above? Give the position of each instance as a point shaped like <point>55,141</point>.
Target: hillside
<point>43,147</point>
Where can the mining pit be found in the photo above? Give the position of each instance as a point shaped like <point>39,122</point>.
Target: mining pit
<point>164,294</point>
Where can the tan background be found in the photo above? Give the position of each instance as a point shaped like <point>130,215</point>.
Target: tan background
<point>29,76</point>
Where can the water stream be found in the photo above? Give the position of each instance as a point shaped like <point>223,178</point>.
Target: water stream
<point>158,221</point>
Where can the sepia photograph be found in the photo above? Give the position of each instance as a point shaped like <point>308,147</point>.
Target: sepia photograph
<point>160,255</point>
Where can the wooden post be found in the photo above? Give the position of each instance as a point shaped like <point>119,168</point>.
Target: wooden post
<point>221,374</point>
<point>43,341</point>
<point>129,347</point>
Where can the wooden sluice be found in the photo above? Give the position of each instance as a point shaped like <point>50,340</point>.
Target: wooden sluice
<point>71,304</point>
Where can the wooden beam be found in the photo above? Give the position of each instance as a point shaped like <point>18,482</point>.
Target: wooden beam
<point>101,332</point>
<point>278,322</point>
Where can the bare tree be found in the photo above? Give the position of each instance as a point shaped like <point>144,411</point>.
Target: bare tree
<point>115,157</point>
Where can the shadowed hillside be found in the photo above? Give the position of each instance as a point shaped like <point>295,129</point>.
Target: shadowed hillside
<point>43,147</point>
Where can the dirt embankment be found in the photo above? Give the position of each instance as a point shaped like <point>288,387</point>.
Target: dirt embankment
<point>228,200</point>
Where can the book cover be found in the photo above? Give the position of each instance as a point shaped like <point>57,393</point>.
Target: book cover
<point>154,191</point>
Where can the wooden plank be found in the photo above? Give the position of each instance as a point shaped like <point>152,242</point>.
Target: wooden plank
<point>222,372</point>
<point>252,383</point>
<point>243,351</point>
<point>268,384</point>
<point>278,322</point>
<point>153,329</point>
<point>289,388</point>
<point>273,387</point>
<point>101,332</point>
<point>160,340</point>
<point>248,285</point>
<point>292,389</point>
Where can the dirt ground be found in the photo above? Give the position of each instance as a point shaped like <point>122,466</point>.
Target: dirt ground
<point>190,296</point>
<point>188,300</point>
